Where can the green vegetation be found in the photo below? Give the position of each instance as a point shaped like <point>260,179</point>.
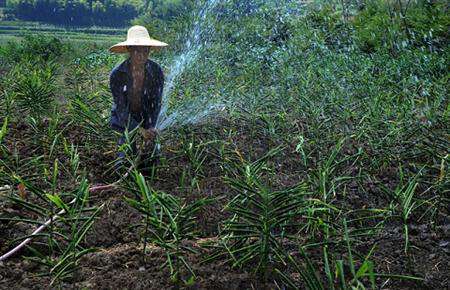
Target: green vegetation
<point>75,13</point>
<point>168,221</point>
<point>327,169</point>
<point>260,219</point>
<point>13,31</point>
<point>116,13</point>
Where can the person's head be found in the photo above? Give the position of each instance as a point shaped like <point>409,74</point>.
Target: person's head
<point>139,54</point>
<point>137,39</point>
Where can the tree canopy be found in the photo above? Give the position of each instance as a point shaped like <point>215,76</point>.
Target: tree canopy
<point>113,13</point>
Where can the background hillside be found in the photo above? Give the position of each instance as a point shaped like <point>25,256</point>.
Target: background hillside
<point>115,13</point>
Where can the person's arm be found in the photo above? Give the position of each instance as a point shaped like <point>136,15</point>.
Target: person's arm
<point>156,100</point>
<point>119,111</point>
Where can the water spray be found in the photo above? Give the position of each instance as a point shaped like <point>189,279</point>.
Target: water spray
<point>192,48</point>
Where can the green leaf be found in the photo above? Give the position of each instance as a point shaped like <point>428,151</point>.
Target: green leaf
<point>4,129</point>
<point>57,201</point>
<point>340,273</point>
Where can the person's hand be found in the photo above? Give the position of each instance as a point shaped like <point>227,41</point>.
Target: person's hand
<point>149,134</point>
<point>153,132</point>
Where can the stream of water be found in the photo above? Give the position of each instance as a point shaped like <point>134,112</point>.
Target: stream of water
<point>193,45</point>
<point>199,107</point>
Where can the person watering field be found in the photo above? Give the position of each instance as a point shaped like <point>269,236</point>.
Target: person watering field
<point>136,85</point>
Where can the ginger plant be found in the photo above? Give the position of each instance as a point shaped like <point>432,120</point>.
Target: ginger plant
<point>69,222</point>
<point>168,222</point>
<point>261,218</point>
<point>405,204</point>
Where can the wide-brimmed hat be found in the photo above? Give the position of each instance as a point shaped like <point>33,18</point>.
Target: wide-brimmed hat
<point>137,36</point>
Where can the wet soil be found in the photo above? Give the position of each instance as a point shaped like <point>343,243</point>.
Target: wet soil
<point>119,263</point>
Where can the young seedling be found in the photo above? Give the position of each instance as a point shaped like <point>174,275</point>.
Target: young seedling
<point>405,203</point>
<point>78,224</point>
<point>168,223</point>
<point>260,218</point>
<point>66,231</point>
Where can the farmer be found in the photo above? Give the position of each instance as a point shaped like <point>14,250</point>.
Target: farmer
<point>136,85</point>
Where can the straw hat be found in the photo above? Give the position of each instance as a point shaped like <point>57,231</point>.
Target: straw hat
<point>137,36</point>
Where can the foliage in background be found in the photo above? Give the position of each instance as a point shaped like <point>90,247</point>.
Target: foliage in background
<point>115,13</point>
<point>33,47</point>
<point>394,25</point>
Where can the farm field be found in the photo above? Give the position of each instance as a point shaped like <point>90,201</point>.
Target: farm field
<point>301,148</point>
<point>16,30</point>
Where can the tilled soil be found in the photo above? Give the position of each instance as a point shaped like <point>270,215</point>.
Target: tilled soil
<point>119,261</point>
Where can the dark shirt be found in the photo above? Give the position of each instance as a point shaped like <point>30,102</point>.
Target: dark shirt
<point>120,82</point>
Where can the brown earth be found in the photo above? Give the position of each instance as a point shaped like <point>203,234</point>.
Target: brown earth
<point>118,263</point>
